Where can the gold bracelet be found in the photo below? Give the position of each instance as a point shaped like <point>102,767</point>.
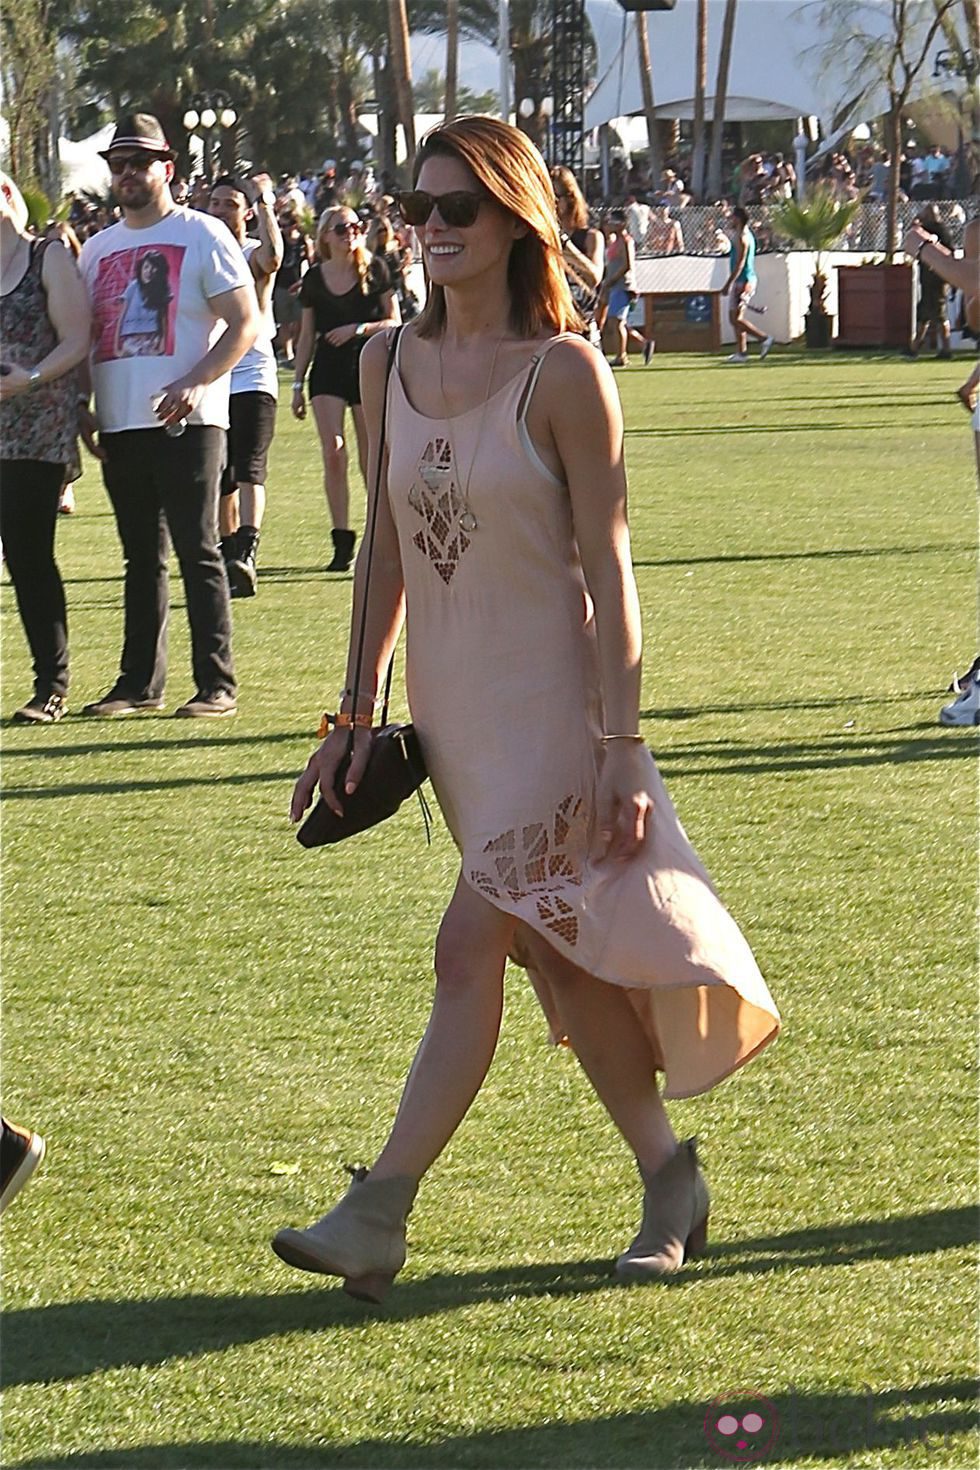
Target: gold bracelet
<point>342,721</point>
<point>604,738</point>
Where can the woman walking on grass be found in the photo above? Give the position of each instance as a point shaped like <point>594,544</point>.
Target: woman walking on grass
<point>44,334</point>
<point>347,297</point>
<point>742,282</point>
<point>503,536</point>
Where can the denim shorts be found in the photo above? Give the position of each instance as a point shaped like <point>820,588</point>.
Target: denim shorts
<point>620,301</point>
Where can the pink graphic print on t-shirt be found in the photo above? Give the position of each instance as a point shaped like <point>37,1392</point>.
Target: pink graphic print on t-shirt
<point>135,302</point>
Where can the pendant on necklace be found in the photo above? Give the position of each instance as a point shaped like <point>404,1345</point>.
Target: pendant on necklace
<point>468,521</point>
<point>434,475</point>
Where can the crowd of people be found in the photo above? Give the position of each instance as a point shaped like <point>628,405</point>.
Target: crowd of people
<point>310,269</point>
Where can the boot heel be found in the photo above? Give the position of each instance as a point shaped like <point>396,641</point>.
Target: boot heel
<point>373,1287</point>
<point>697,1241</point>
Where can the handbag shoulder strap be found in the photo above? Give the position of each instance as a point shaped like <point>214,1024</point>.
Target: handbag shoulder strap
<point>372,531</point>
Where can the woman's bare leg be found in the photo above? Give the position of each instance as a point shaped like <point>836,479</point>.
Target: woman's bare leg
<point>329,415</point>
<point>459,1042</point>
<point>607,1038</point>
<point>360,429</point>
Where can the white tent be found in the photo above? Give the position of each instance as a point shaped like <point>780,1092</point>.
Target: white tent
<point>82,169</point>
<point>777,70</point>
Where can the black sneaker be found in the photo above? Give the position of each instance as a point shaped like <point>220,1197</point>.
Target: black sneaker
<point>208,706</point>
<point>118,702</point>
<point>240,566</point>
<point>41,710</point>
<point>20,1153</point>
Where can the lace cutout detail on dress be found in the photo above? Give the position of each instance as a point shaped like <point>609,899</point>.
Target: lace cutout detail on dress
<point>537,861</point>
<point>435,497</point>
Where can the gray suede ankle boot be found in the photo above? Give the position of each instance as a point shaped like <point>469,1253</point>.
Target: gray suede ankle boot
<point>675,1218</point>
<point>362,1239</point>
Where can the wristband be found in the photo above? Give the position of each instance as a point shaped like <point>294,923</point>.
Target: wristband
<point>361,329</point>
<point>342,721</point>
<point>298,387</point>
<point>34,379</point>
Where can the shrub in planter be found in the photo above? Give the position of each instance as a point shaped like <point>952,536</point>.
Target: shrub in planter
<point>816,223</point>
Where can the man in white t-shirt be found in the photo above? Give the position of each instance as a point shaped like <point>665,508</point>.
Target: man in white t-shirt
<point>254,380</point>
<point>637,220</point>
<point>173,310</point>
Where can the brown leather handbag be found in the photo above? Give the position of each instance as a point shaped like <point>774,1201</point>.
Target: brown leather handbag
<point>395,767</point>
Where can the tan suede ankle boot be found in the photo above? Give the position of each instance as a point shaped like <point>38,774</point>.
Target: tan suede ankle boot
<point>362,1239</point>
<point>675,1218</point>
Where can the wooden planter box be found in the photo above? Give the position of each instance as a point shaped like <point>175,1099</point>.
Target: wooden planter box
<point>875,305</point>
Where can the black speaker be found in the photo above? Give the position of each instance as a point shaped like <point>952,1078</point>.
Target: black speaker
<point>648,4</point>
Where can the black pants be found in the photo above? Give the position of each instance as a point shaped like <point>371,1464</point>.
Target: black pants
<point>158,484</point>
<point>29,495</point>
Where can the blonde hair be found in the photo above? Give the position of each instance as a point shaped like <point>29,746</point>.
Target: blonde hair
<point>569,184</point>
<point>12,202</point>
<point>380,234</point>
<point>512,171</point>
<point>360,254</point>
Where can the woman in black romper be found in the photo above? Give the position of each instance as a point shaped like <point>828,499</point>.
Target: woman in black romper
<point>346,297</point>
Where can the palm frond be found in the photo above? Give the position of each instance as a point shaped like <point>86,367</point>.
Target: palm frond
<point>816,222</point>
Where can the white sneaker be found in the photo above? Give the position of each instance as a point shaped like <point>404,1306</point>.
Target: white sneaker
<point>965,709</point>
<point>739,358</point>
<point>764,349</point>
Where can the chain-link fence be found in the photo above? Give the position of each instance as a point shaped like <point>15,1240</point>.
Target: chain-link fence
<point>703,227</point>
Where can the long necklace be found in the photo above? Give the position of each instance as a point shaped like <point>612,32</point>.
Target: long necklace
<point>467,521</point>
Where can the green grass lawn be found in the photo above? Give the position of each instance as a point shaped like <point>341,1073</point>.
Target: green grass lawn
<point>206,1022</point>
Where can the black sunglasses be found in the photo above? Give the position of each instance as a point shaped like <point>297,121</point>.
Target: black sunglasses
<point>458,209</point>
<point>349,229</point>
<point>135,161</point>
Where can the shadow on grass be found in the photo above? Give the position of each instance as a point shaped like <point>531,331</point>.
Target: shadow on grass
<point>170,783</point>
<point>701,431</point>
<point>821,1426</point>
<point>721,759</point>
<point>71,1339</point>
<point>832,553</point>
<point>124,747</point>
<point>315,571</point>
<point>718,758</point>
<point>830,701</point>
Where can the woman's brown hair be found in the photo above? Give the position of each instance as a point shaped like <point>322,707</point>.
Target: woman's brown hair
<point>564,181</point>
<point>512,171</point>
<point>360,254</point>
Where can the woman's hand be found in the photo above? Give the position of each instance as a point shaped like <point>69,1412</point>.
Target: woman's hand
<point>88,427</point>
<point>341,335</point>
<point>623,803</point>
<point>298,404</point>
<point>14,381</point>
<point>321,771</point>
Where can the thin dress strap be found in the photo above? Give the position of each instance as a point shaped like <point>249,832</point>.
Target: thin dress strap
<point>523,434</point>
<point>534,368</point>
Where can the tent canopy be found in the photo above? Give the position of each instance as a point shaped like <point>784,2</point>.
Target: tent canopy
<point>777,69</point>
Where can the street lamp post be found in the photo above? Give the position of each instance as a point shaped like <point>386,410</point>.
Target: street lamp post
<point>209,114</point>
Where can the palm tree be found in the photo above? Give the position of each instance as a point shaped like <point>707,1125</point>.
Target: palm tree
<point>649,106</point>
<point>816,223</point>
<point>399,60</point>
<point>700,87</point>
<point>721,97</point>
<point>452,56</point>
